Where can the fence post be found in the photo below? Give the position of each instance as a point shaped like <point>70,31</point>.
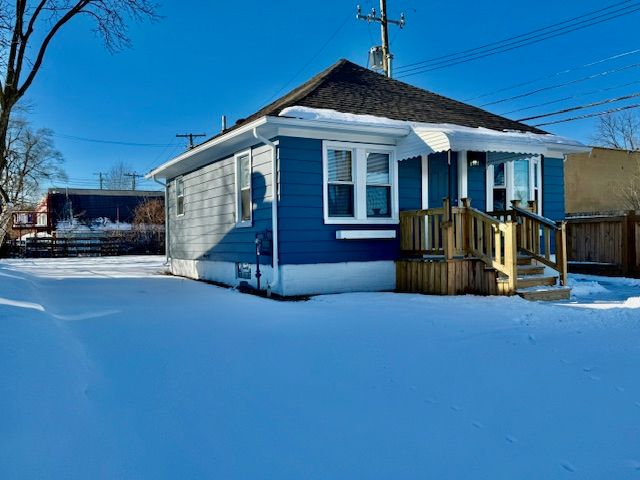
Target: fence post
<point>511,256</point>
<point>466,226</point>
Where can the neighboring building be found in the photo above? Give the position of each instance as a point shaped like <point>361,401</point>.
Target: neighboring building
<point>79,208</point>
<point>347,151</point>
<point>599,180</point>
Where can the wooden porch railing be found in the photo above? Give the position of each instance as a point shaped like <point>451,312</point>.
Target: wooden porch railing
<point>534,236</point>
<point>495,238</point>
<point>435,231</point>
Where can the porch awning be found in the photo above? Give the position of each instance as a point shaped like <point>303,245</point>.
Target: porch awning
<point>424,139</point>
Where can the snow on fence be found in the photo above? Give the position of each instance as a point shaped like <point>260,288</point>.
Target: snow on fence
<point>124,243</point>
<point>604,243</point>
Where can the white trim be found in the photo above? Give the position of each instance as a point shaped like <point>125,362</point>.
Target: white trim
<point>364,234</point>
<point>238,203</point>
<point>307,279</point>
<point>359,172</point>
<point>463,181</point>
<point>323,278</point>
<point>424,160</point>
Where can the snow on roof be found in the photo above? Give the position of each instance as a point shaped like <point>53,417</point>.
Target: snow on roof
<point>424,138</point>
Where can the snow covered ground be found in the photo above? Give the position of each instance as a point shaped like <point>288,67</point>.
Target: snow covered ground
<point>109,370</point>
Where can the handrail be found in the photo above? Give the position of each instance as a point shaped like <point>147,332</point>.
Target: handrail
<point>467,231</point>
<point>534,216</point>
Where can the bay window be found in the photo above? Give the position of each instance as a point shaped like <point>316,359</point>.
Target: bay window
<point>360,183</point>
<point>519,179</point>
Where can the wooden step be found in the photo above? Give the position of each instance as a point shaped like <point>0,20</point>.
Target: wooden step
<point>524,260</point>
<point>532,281</point>
<point>524,270</point>
<point>545,294</point>
<point>536,281</point>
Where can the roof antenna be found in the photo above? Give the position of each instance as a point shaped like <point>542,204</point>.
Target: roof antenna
<point>380,57</point>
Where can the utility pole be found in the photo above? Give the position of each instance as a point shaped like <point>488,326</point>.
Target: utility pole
<point>100,176</point>
<point>133,179</point>
<point>384,21</point>
<point>190,136</point>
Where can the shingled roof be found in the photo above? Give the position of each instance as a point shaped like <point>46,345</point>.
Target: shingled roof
<point>350,88</point>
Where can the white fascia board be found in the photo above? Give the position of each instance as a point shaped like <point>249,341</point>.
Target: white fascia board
<point>206,146</point>
<point>291,126</point>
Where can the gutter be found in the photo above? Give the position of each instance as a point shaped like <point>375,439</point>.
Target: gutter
<point>275,281</point>
<point>166,221</point>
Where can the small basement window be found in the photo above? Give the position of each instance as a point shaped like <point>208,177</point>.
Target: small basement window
<point>244,204</point>
<point>179,196</point>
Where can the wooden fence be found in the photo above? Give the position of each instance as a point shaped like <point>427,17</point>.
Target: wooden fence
<point>85,246</point>
<point>606,244</point>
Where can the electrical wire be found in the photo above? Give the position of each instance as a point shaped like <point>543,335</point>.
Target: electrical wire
<point>313,58</point>
<point>589,115</point>
<point>516,45</point>
<point>581,107</point>
<point>114,142</point>
<point>564,84</point>
<point>572,97</point>
<point>481,47</point>
<point>553,75</point>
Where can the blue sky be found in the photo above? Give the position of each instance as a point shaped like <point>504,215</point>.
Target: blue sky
<point>213,58</point>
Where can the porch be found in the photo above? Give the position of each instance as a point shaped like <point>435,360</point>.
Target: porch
<point>458,250</point>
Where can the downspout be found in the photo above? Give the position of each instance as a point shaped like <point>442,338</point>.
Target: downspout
<point>166,221</point>
<point>275,281</point>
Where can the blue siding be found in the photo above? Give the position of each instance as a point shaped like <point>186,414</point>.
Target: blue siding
<point>553,188</point>
<point>439,177</point>
<point>477,182</point>
<point>304,237</point>
<point>410,184</point>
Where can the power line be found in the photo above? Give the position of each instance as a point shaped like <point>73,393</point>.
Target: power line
<point>115,142</point>
<point>590,115</point>
<point>560,85</point>
<point>312,59</point>
<point>553,75</point>
<point>581,107</point>
<point>482,47</point>
<point>571,97</point>
<point>517,45</point>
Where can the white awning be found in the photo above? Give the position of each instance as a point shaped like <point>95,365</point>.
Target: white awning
<point>431,138</point>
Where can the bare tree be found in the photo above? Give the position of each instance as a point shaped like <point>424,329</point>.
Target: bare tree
<point>629,191</point>
<point>620,130</point>
<point>32,160</point>
<point>148,224</point>
<point>117,178</point>
<point>29,26</point>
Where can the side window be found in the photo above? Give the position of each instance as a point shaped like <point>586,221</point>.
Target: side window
<point>378,185</point>
<point>499,187</point>
<point>340,184</point>
<point>244,204</point>
<point>179,196</point>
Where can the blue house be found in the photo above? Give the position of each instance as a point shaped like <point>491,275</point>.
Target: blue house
<point>333,186</point>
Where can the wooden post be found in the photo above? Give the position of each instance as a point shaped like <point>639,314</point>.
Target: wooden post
<point>561,252</point>
<point>533,206</point>
<point>511,256</point>
<point>626,244</point>
<point>466,226</point>
<point>447,227</point>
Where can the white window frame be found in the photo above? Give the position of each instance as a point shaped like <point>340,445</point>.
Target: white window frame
<point>236,160</point>
<point>509,182</point>
<point>179,213</point>
<point>359,159</point>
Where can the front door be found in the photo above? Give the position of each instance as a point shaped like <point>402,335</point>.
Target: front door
<point>440,183</point>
